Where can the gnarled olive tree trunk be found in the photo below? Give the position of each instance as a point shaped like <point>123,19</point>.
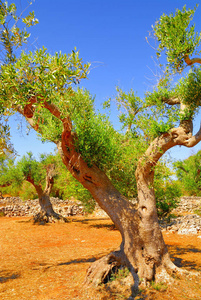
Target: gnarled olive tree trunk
<point>47,213</point>
<point>142,248</point>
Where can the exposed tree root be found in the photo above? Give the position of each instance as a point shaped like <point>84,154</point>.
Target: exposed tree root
<point>101,270</point>
<point>43,218</point>
<point>172,269</point>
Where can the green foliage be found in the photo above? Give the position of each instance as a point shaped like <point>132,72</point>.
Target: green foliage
<point>27,191</point>
<point>5,144</point>
<point>31,168</point>
<point>65,186</point>
<point>177,37</point>
<point>167,191</point>
<point>12,36</point>
<point>120,273</point>
<point>129,105</point>
<point>151,116</point>
<point>189,174</point>
<point>122,172</point>
<point>97,140</point>
<point>190,90</point>
<point>6,163</point>
<point>40,73</point>
<point>160,286</point>
<point>167,198</point>
<point>198,211</point>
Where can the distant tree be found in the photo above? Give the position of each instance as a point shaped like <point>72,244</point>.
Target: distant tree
<point>41,175</point>
<point>40,87</point>
<point>189,174</point>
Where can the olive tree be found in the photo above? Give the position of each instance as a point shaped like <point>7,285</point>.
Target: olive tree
<point>40,174</point>
<point>40,87</point>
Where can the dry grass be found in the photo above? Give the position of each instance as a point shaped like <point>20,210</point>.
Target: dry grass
<point>50,262</point>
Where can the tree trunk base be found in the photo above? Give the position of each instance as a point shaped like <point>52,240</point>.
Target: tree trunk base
<point>100,271</point>
<point>43,217</point>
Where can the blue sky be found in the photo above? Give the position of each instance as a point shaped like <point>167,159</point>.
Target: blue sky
<point>111,34</point>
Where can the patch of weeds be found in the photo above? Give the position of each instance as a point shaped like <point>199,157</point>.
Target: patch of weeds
<point>2,214</point>
<point>119,274</point>
<point>160,286</point>
<point>198,211</point>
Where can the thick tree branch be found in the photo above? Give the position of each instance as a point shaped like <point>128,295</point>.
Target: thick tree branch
<point>171,101</point>
<point>192,61</point>
<point>176,136</point>
<point>37,186</point>
<point>194,140</point>
<point>30,120</point>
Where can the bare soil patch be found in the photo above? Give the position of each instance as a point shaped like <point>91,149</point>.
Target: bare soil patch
<point>50,262</point>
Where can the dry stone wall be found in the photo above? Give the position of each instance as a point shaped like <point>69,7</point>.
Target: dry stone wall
<point>188,204</point>
<point>186,222</point>
<point>14,206</point>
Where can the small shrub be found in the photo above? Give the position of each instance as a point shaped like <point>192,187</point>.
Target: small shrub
<point>120,274</point>
<point>2,214</point>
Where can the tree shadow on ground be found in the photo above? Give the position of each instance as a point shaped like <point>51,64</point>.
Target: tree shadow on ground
<point>5,276</point>
<point>86,221</point>
<point>67,263</point>
<point>78,261</point>
<point>176,251</point>
<point>98,226</point>
<point>107,226</point>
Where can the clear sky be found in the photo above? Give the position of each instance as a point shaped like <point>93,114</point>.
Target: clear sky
<point>111,34</point>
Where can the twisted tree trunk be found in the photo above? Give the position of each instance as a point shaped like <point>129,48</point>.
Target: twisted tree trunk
<point>142,248</point>
<point>47,213</point>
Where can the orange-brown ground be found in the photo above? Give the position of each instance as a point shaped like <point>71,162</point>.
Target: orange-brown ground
<point>50,262</point>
